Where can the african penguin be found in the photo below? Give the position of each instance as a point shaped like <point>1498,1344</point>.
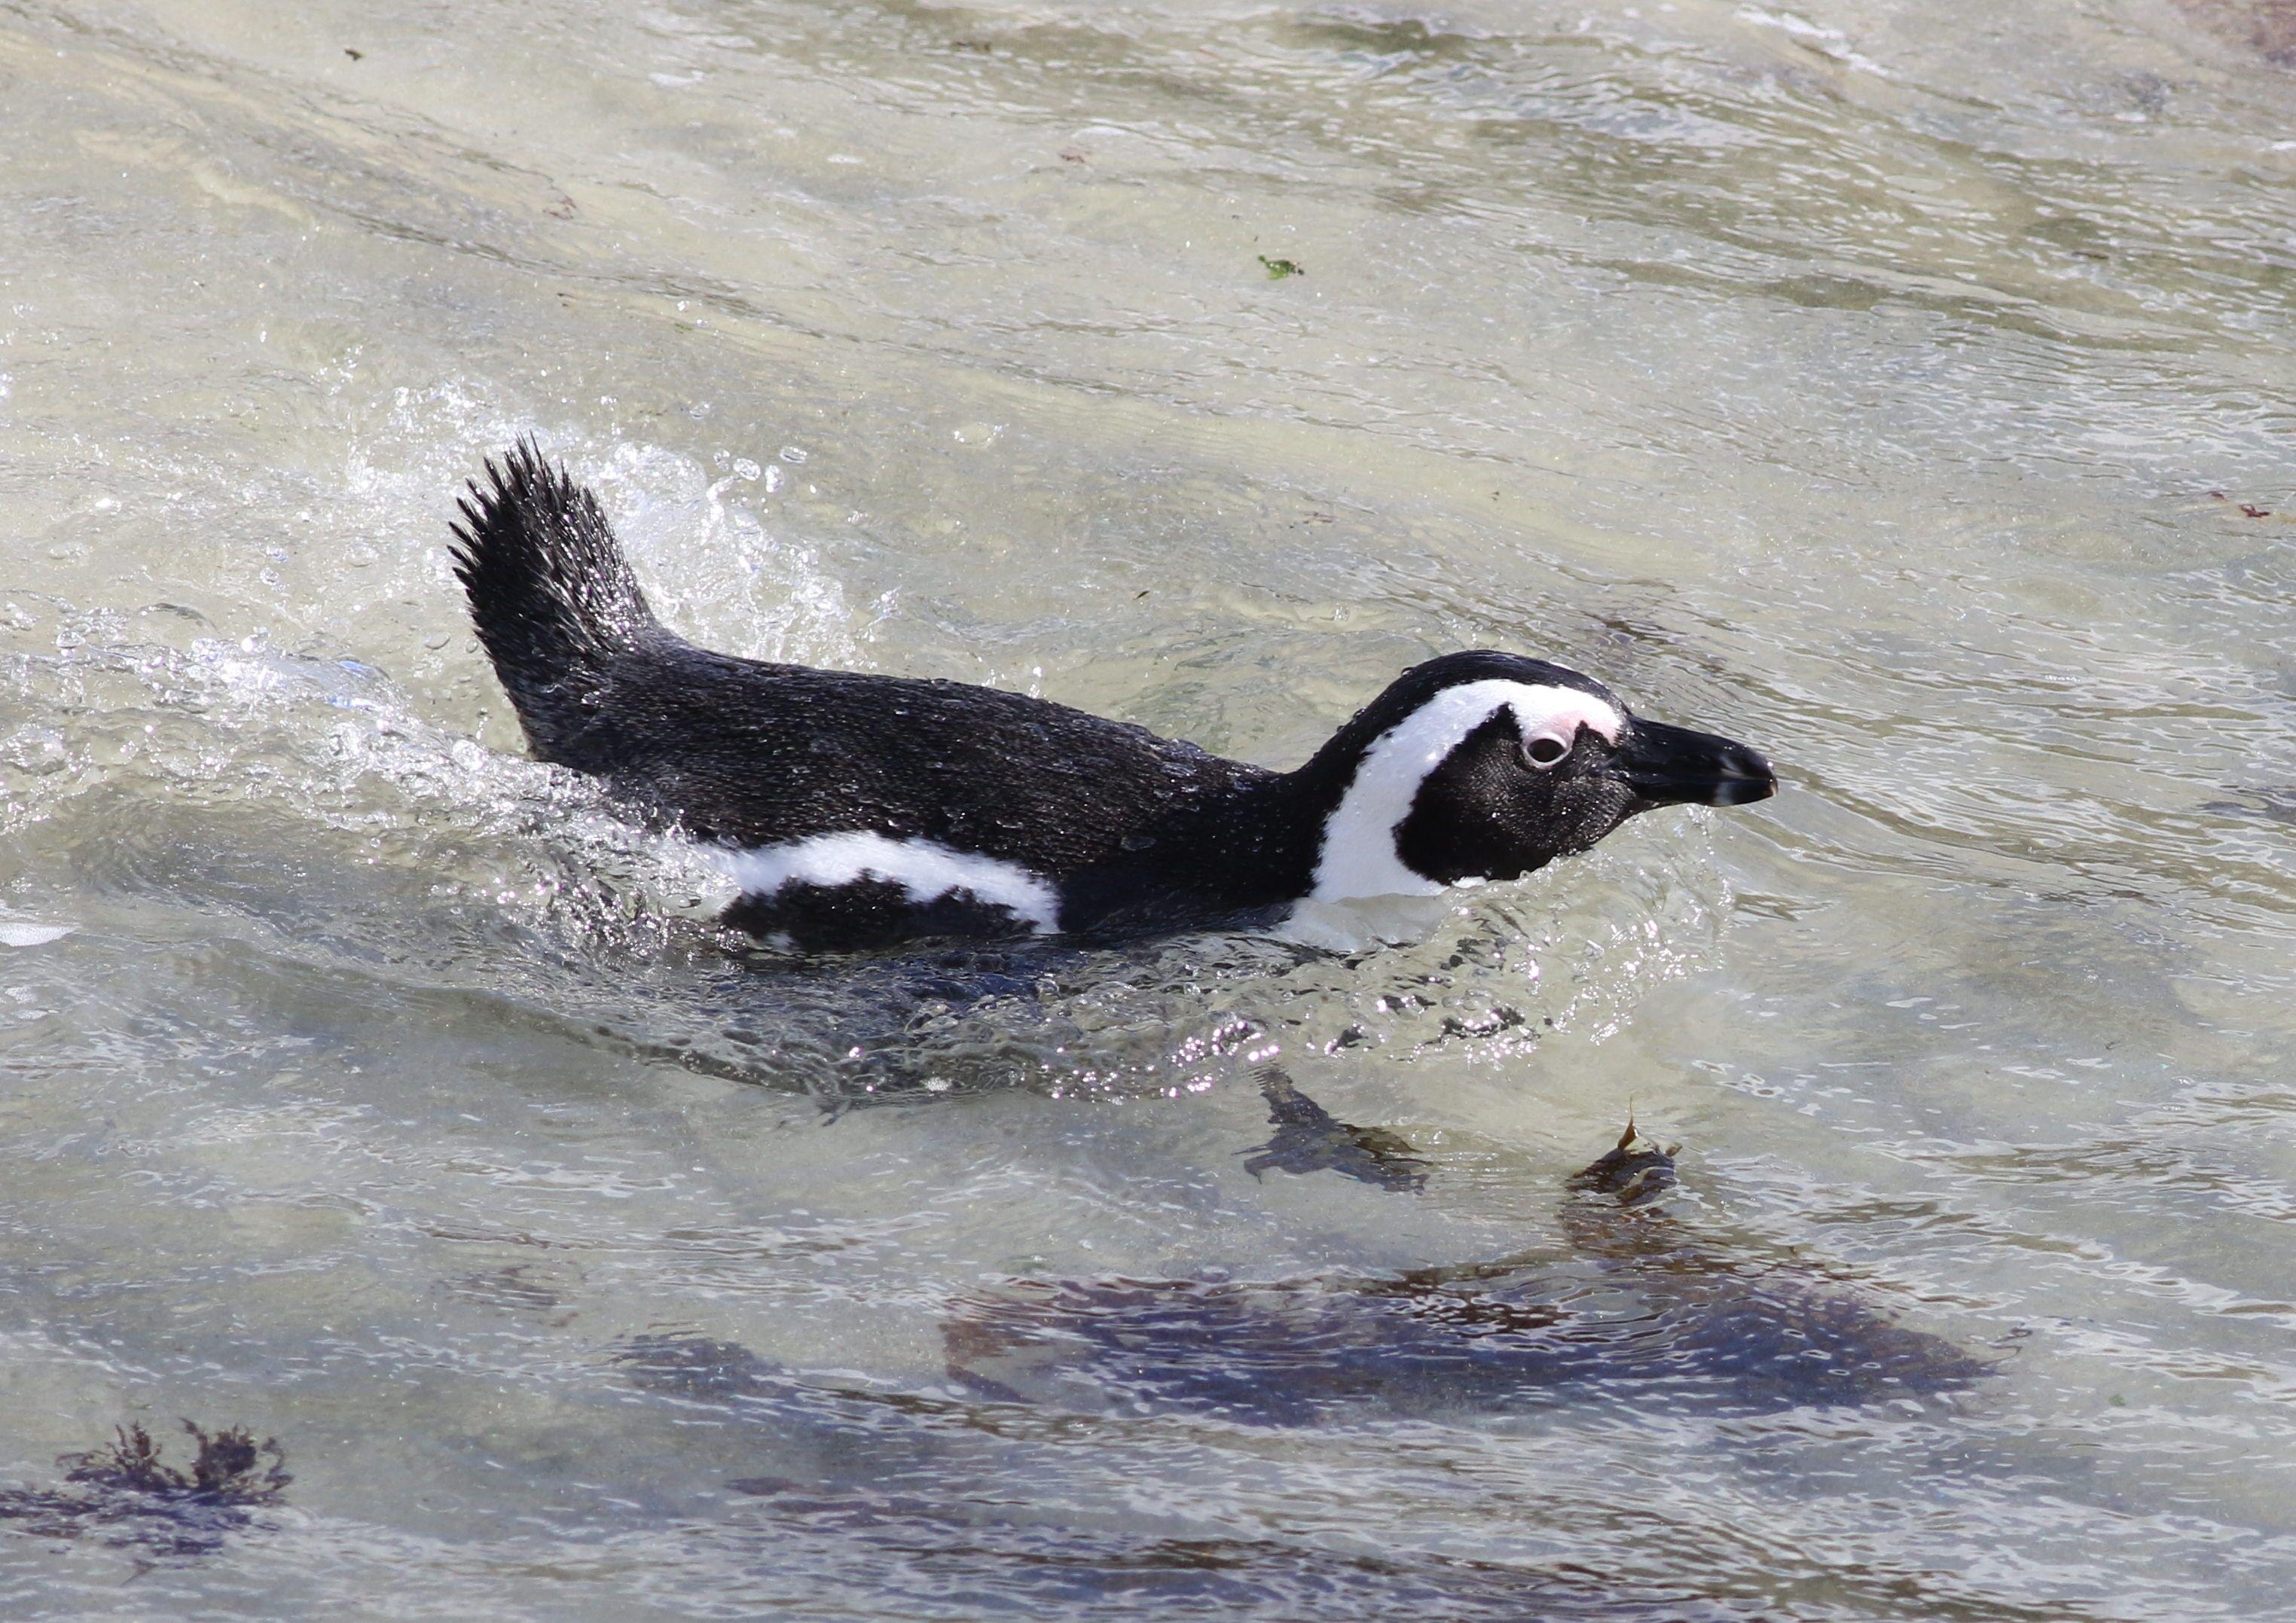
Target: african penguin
<point>861,811</point>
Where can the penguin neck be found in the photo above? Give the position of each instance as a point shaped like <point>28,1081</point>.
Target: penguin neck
<point>1261,840</point>
<point>1311,794</point>
<point>1312,797</point>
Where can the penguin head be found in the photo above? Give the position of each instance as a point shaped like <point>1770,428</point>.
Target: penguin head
<point>1485,766</point>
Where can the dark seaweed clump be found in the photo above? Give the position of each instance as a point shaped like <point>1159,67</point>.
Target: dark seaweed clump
<point>1634,1169</point>
<point>126,1494</point>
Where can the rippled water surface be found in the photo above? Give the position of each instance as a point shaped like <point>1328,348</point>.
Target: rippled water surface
<point>1905,388</point>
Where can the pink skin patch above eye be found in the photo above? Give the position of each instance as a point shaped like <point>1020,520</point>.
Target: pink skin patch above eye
<point>1561,721</point>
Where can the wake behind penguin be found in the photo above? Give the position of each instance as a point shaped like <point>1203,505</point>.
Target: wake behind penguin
<point>858,811</point>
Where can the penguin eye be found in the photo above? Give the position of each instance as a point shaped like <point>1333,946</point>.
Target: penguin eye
<point>1546,750</point>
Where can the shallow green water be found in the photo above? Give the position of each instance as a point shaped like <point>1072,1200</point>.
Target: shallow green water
<point>1905,389</point>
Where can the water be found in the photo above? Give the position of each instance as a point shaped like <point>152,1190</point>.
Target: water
<point>1887,386</point>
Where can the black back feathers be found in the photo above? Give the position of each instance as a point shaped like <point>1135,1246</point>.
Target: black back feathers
<point>553,601</point>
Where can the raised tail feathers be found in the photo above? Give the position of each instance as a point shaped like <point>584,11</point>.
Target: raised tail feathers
<point>552,596</point>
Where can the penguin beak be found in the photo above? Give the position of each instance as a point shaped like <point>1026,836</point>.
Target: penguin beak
<point>1674,766</point>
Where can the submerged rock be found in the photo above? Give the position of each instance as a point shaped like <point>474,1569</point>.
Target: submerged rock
<point>1007,1558</point>
<point>923,1491</point>
<point>2265,27</point>
<point>1638,1305</point>
<point>698,1367</point>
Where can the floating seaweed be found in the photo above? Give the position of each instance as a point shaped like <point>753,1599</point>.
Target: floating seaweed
<point>126,1494</point>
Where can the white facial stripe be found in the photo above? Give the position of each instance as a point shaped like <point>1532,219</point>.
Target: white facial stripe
<point>924,871</point>
<point>1358,858</point>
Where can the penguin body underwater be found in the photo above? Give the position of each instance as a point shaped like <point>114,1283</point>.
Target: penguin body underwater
<point>860,811</point>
